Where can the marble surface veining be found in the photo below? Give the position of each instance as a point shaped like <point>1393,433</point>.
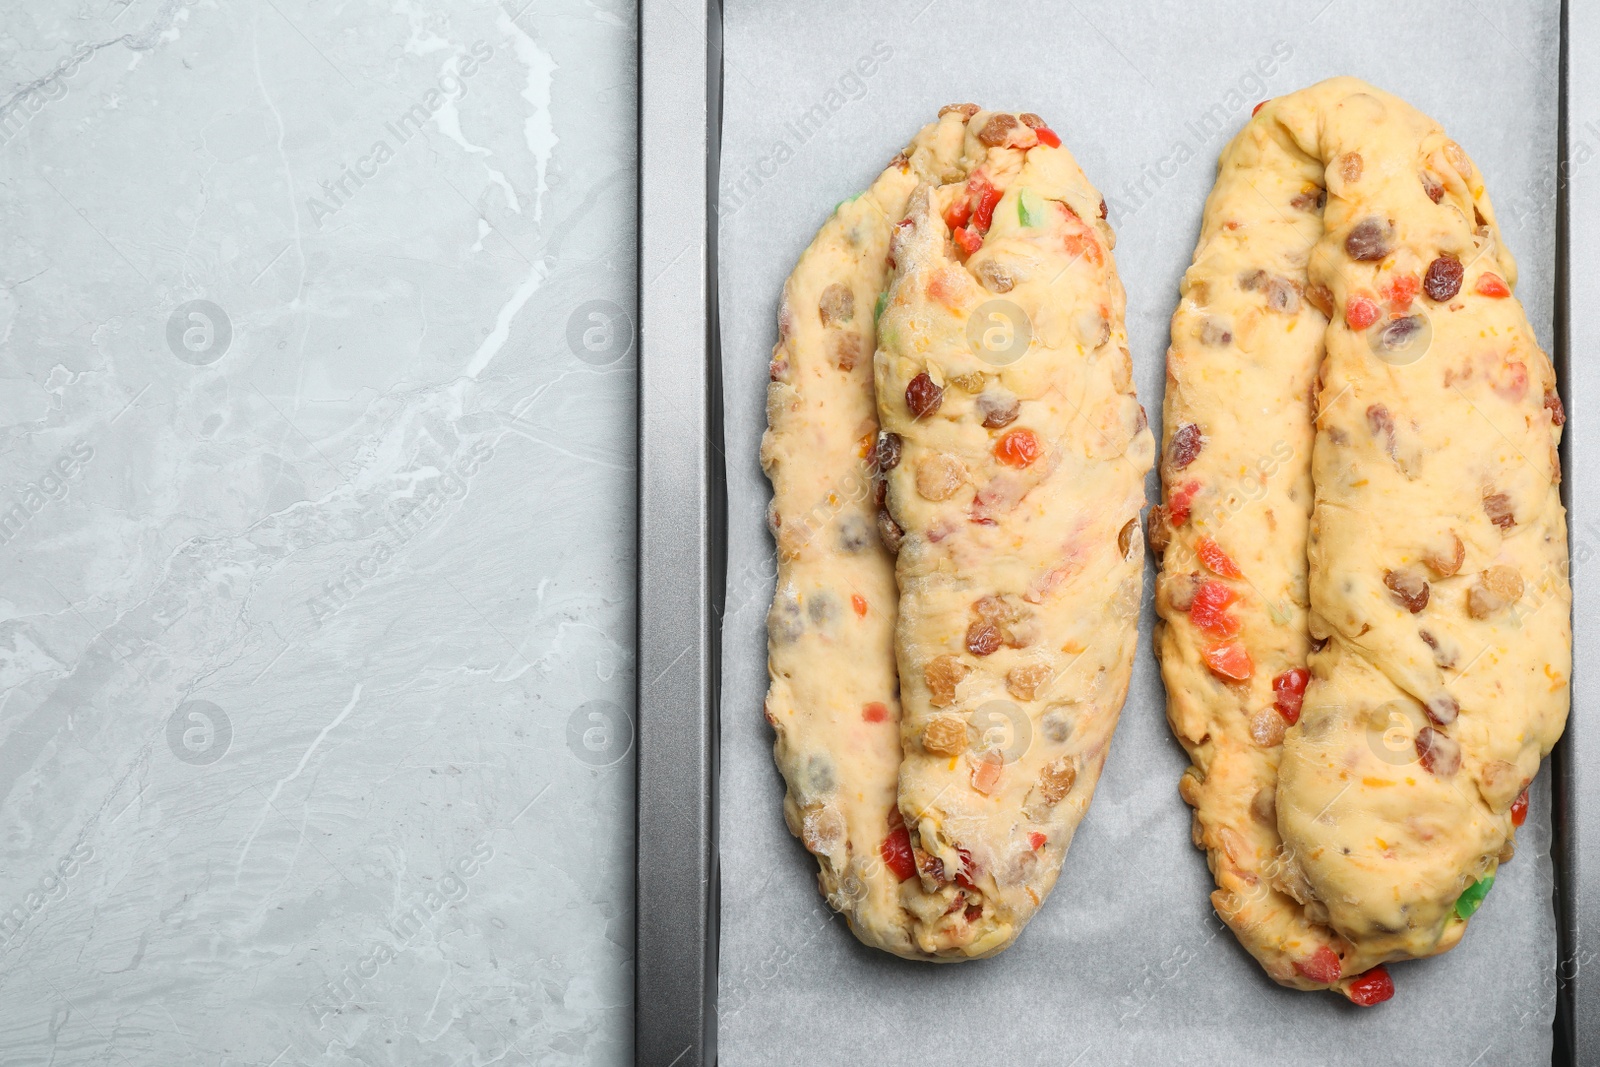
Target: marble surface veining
<point>316,532</point>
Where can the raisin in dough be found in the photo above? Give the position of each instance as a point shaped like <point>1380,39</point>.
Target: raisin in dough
<point>1434,435</point>
<point>832,700</point>
<point>1015,459</point>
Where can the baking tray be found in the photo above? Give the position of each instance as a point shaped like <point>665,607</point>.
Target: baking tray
<point>683,527</point>
<point>681,545</point>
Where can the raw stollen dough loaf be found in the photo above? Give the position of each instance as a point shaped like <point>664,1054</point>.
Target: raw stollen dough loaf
<point>1425,573</point>
<point>833,698</point>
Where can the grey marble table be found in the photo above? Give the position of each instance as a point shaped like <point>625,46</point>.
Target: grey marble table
<point>316,532</point>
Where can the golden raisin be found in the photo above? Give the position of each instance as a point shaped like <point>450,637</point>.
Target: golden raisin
<point>1447,559</point>
<point>996,609</point>
<point>1497,587</point>
<point>1126,536</point>
<point>1055,781</point>
<point>1321,298</point>
<point>1179,589</point>
<point>822,828</point>
<point>1023,681</point>
<point>945,735</point>
<point>1189,787</point>
<point>1264,807</point>
<point>939,476</point>
<point>943,674</point>
<point>1267,727</point>
<point>837,304</point>
<point>1458,159</point>
<point>1502,781</point>
<point>1158,532</point>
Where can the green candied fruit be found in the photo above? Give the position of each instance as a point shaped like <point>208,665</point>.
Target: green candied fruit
<point>877,309</point>
<point>1030,211</point>
<point>1471,898</point>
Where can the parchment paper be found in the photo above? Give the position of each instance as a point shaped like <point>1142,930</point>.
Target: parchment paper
<point>1125,964</point>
